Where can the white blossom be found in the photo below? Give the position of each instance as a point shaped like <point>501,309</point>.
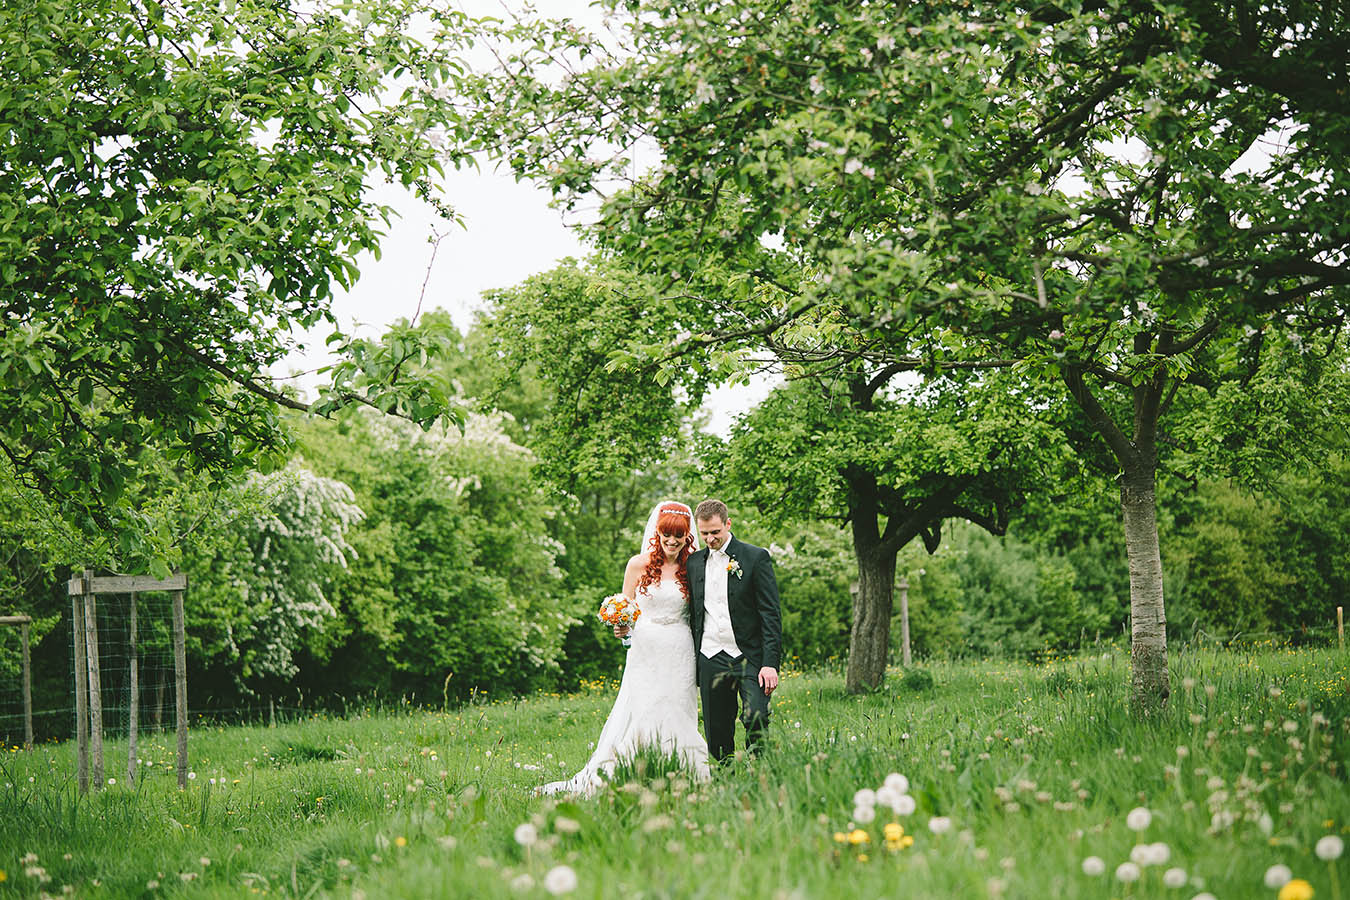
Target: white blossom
<point>1277,876</point>
<point>560,880</point>
<point>1330,847</point>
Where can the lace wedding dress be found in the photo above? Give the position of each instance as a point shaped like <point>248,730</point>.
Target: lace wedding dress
<point>657,706</point>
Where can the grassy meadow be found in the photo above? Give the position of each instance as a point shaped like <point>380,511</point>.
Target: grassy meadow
<point>1033,769</point>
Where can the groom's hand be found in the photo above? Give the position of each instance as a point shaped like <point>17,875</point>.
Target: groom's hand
<point>768,679</point>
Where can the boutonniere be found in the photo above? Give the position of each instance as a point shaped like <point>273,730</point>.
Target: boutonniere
<point>734,567</point>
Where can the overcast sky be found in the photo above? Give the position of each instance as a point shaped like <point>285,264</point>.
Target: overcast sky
<point>509,233</point>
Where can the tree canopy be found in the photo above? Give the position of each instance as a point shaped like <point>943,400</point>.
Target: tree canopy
<point>1116,195</point>
<point>181,187</point>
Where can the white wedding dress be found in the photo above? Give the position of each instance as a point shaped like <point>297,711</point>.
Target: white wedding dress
<point>657,706</point>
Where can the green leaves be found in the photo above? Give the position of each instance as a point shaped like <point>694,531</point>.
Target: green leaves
<point>180,189</point>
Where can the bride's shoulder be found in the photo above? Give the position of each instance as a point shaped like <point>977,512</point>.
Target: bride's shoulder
<point>636,563</point>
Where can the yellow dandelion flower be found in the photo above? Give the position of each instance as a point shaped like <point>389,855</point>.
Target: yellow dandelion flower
<point>858,836</point>
<point>840,837</point>
<point>893,831</point>
<point>1298,889</point>
<point>862,857</point>
<point>400,841</point>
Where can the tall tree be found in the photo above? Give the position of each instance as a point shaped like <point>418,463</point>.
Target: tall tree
<point>854,449</point>
<point>1113,194</point>
<point>181,185</point>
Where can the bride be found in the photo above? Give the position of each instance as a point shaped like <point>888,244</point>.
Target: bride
<point>657,707</point>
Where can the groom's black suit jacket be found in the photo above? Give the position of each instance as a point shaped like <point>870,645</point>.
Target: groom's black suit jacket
<point>752,600</point>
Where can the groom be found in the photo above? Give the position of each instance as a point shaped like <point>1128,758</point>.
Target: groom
<point>737,631</point>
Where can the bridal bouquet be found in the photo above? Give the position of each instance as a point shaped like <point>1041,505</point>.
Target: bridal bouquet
<point>617,610</point>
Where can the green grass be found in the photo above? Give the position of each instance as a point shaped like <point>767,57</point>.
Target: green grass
<point>1036,766</point>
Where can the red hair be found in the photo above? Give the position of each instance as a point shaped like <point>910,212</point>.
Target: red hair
<point>672,520</point>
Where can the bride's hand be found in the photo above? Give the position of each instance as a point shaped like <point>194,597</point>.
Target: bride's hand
<point>621,631</point>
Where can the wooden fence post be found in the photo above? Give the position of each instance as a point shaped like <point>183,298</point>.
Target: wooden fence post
<point>27,689</point>
<point>180,683</point>
<point>133,714</point>
<point>81,681</point>
<point>95,687</point>
<point>904,620</point>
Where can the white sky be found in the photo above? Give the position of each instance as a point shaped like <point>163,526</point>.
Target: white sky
<point>509,233</point>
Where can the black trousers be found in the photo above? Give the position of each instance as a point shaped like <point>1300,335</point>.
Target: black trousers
<point>721,682</point>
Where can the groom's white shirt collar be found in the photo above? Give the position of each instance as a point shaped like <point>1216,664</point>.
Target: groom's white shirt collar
<point>725,545</point>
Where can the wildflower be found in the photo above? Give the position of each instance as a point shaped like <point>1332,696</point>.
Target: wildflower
<point>205,861</point>
<point>526,834</point>
<point>858,836</point>
<point>1138,818</point>
<point>151,885</point>
<point>865,797</point>
<point>940,825</point>
<point>1093,865</point>
<point>1277,876</point>
<point>656,823</point>
<point>1158,854</point>
<point>1056,335</point>
<point>1127,872</point>
<point>864,814</point>
<point>1298,889</point>
<point>904,805</point>
<point>560,880</point>
<point>522,882</point>
<point>885,42</point>
<point>1174,877</point>
<point>896,839</point>
<point>1330,847</point>
<point>400,841</point>
<point>564,825</point>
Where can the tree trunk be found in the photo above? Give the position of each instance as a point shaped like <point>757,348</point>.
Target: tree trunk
<point>1138,458</point>
<point>870,640</point>
<point>1148,621</point>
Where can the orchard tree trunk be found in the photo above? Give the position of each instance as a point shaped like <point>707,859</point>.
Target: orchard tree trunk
<point>1148,620</point>
<point>1136,451</point>
<point>869,640</point>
